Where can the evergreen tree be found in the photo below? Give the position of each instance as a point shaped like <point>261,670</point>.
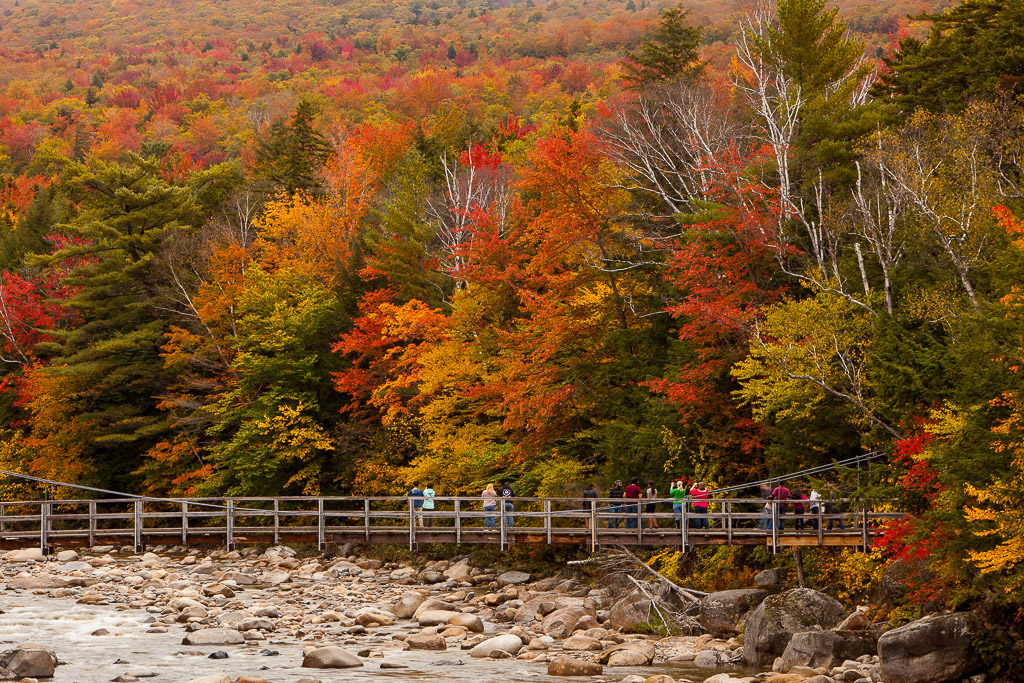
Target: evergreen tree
<point>670,52</point>
<point>107,371</point>
<point>48,208</point>
<point>972,50</point>
<point>293,154</point>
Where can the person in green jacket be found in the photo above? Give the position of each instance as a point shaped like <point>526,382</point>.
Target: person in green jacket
<point>678,493</point>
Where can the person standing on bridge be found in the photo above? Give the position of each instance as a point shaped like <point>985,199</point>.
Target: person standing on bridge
<point>490,497</point>
<point>780,494</point>
<point>616,507</point>
<point>651,507</point>
<point>417,502</point>
<point>678,493</point>
<point>589,494</point>
<point>507,494</point>
<point>428,504</point>
<point>700,494</point>
<point>632,493</point>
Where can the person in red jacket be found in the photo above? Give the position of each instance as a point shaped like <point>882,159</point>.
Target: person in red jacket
<point>700,493</point>
<point>632,493</point>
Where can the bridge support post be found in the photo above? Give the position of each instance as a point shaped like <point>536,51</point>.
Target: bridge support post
<point>92,523</point>
<point>864,526</point>
<point>184,523</point>
<point>137,525</point>
<point>321,526</point>
<point>3,523</point>
<point>821,529</point>
<point>229,526</point>
<point>366,518</point>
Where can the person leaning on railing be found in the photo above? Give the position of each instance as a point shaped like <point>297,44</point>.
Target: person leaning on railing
<point>490,498</point>
<point>589,494</point>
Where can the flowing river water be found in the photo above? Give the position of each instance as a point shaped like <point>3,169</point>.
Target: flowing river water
<point>128,648</point>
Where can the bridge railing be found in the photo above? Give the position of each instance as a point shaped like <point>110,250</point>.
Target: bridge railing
<point>391,519</point>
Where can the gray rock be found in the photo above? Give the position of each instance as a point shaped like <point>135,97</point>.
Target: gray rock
<point>29,661</point>
<point>710,659</point>
<point>772,624</point>
<point>66,556</point>
<point>724,613</point>
<point>213,636</point>
<point>770,577</point>
<point>513,578</point>
<point>562,622</point>
<point>256,624</point>
<point>330,657</point>
<point>460,571</point>
<point>567,666</point>
<point>508,643</point>
<point>434,617</point>
<point>930,650</point>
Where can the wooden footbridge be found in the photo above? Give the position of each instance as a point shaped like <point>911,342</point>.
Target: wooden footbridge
<point>139,522</point>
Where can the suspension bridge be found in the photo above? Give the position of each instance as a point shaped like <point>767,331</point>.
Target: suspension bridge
<point>141,521</point>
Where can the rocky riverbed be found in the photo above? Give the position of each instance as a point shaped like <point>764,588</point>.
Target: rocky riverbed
<point>250,616</point>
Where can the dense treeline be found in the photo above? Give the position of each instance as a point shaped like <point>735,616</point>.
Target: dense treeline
<point>359,253</point>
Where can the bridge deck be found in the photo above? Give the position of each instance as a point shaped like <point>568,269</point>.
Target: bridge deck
<point>391,520</point>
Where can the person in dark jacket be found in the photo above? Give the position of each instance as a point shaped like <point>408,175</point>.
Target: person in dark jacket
<point>589,494</point>
<point>507,494</point>
<point>616,492</point>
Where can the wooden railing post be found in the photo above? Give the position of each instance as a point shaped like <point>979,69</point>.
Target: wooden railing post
<point>638,514</point>
<point>685,525</point>
<point>458,521</point>
<point>821,523</point>
<point>92,523</point>
<point>229,526</point>
<point>594,521</point>
<point>321,526</point>
<point>412,526</point>
<point>3,523</point>
<point>366,518</point>
<point>775,526</point>
<point>277,521</point>
<point>728,520</point>
<point>864,526</point>
<point>43,523</point>
<point>184,523</point>
<point>138,525</point>
<point>503,533</point>
<point>547,519</point>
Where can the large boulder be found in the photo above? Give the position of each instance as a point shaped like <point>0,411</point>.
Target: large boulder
<point>426,641</point>
<point>723,613</point>
<point>330,657</point>
<point>28,661</point>
<point>772,624</point>
<point>435,617</point>
<point>629,613</point>
<point>214,636</point>
<point>930,650</point>
<point>508,642</point>
<point>827,649</point>
<point>629,653</point>
<point>25,555</point>
<point>460,571</point>
<point>567,666</point>
<point>513,578</point>
<point>37,581</point>
<point>470,622</point>
<point>407,606</point>
<point>562,622</point>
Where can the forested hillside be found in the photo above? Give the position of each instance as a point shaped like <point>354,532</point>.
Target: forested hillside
<point>282,248</point>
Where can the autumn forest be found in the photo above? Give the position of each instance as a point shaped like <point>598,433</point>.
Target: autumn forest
<point>252,248</point>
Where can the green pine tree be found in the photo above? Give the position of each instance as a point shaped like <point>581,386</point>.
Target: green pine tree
<point>670,52</point>
<point>293,153</point>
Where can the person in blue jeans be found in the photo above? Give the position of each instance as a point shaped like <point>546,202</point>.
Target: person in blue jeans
<point>507,495</point>
<point>490,498</point>
<point>699,493</point>
<point>615,492</point>
<point>417,504</point>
